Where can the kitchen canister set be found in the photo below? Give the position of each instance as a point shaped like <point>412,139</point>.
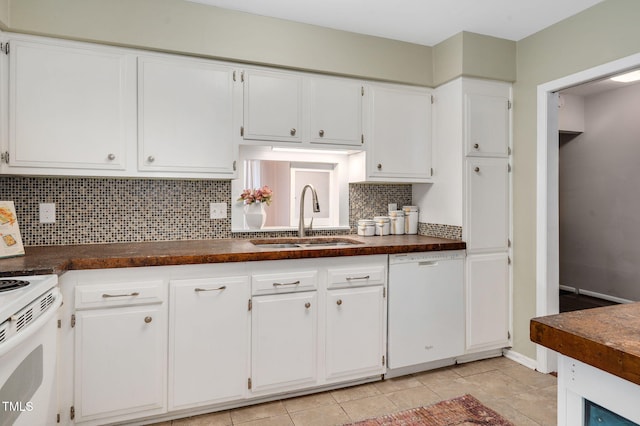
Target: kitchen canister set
<point>398,222</point>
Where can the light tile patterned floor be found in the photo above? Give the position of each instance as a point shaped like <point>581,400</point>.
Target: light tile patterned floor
<point>523,396</point>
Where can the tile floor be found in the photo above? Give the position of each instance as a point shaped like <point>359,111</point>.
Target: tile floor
<point>522,395</point>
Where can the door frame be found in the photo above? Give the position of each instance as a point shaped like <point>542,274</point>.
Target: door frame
<point>547,217</point>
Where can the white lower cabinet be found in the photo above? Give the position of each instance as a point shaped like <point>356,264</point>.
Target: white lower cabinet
<point>284,341</point>
<point>208,340</point>
<point>487,300</point>
<point>355,332</point>
<point>120,362</point>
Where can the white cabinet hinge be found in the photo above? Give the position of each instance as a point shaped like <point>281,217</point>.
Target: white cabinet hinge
<point>242,76</point>
<point>431,172</point>
<point>4,157</point>
<point>508,335</point>
<point>362,138</point>
<point>234,75</point>
<point>249,383</point>
<point>384,292</point>
<point>72,412</point>
<point>508,242</point>
<point>509,168</point>
<point>73,320</point>
<point>58,418</point>
<point>508,260</point>
<point>234,165</point>
<point>4,47</point>
<point>509,105</point>
<point>241,130</point>
<point>361,90</point>
<point>509,150</point>
<point>433,99</point>
<point>250,305</point>
<point>59,323</point>
<point>383,361</point>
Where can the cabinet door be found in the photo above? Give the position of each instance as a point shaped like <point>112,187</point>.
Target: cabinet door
<point>185,116</point>
<point>355,343</point>
<point>208,341</point>
<point>487,205</point>
<point>335,111</point>
<point>70,106</point>
<point>284,341</point>
<point>120,362</point>
<point>487,124</point>
<point>272,106</point>
<point>487,300</point>
<point>399,140</point>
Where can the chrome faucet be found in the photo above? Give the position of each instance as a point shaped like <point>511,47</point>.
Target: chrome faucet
<point>316,209</point>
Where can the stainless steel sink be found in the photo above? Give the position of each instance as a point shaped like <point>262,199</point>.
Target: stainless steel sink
<point>280,243</point>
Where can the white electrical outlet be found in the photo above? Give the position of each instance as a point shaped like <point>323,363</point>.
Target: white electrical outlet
<point>217,210</point>
<point>47,212</point>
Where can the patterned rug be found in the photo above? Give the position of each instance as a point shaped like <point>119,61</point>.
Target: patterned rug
<point>462,411</point>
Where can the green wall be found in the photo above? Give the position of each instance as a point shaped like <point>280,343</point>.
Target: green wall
<point>601,34</point>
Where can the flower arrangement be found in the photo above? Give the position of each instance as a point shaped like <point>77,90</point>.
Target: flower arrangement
<point>257,195</point>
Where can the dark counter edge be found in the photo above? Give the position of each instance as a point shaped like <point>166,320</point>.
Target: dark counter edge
<point>53,260</point>
<point>583,349</point>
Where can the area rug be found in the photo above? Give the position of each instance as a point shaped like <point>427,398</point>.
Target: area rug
<point>462,411</point>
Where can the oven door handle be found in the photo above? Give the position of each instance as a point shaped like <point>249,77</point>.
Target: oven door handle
<point>35,326</point>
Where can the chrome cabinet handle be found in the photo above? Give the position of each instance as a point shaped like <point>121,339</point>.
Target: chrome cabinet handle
<point>307,305</point>
<point>293,132</point>
<point>339,302</point>
<point>476,146</point>
<point>366,277</point>
<point>476,169</point>
<point>151,159</point>
<point>198,289</point>
<point>281,284</point>
<point>111,157</point>
<point>148,319</point>
<point>321,133</point>
<point>135,293</point>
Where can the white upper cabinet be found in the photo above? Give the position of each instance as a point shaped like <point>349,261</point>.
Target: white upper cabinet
<point>487,124</point>
<point>272,106</point>
<point>185,116</point>
<point>398,136</point>
<point>335,111</point>
<point>71,106</point>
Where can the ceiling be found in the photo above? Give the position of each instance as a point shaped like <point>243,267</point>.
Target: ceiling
<point>426,22</point>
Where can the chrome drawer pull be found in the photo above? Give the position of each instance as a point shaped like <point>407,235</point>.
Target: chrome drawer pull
<point>135,293</point>
<point>366,277</point>
<point>210,289</point>
<point>281,284</point>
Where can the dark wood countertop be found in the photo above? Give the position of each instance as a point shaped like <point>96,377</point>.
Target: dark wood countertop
<point>607,338</point>
<point>58,259</point>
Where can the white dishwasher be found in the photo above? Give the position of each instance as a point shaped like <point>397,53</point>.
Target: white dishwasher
<point>426,308</point>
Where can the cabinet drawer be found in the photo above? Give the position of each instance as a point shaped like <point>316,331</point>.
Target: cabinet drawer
<point>284,282</point>
<point>119,294</point>
<point>357,276</point>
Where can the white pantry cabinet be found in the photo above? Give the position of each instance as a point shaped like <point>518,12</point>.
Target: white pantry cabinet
<point>71,106</point>
<point>208,340</point>
<point>397,133</point>
<point>272,106</point>
<point>487,123</point>
<point>120,350</point>
<point>185,116</point>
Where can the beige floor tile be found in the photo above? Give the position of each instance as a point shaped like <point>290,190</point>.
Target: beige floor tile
<point>530,377</point>
<point>283,420</point>
<point>539,406</point>
<point>222,418</point>
<point>307,402</point>
<point>459,386</point>
<point>508,412</point>
<point>498,384</point>
<point>398,383</point>
<point>364,408</point>
<point>257,412</point>
<point>414,397</point>
<point>437,376</point>
<point>355,392</point>
<point>321,416</point>
<point>477,367</point>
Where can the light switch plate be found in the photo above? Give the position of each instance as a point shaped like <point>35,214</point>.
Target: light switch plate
<point>47,212</point>
<point>217,210</point>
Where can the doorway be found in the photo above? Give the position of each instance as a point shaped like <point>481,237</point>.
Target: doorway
<point>547,214</point>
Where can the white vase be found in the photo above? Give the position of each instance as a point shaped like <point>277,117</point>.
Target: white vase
<point>255,215</point>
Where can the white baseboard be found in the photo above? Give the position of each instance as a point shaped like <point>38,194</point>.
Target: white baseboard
<point>567,288</point>
<point>520,359</point>
<point>595,294</point>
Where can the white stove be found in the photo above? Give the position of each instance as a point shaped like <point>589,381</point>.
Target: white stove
<point>28,324</point>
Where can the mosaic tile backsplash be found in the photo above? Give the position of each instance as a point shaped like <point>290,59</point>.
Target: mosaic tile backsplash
<point>92,211</point>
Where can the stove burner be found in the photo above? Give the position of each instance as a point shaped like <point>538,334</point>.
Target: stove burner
<point>8,285</point>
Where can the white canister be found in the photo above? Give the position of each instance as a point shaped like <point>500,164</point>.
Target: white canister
<point>366,227</point>
<point>396,218</point>
<point>410,219</point>
<point>382,225</point>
